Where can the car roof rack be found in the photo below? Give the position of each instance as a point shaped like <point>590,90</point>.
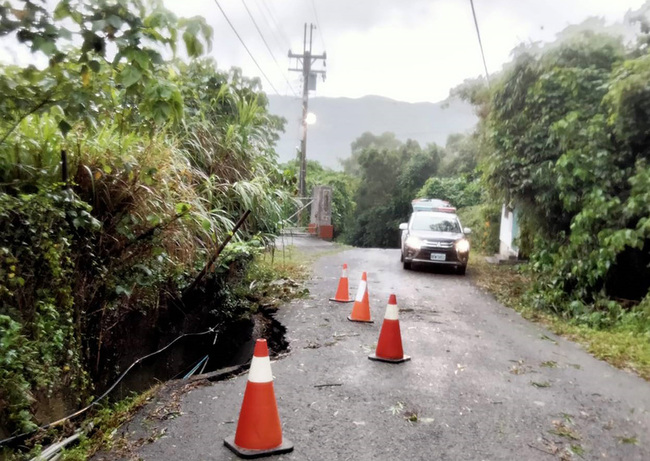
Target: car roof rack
<point>432,204</point>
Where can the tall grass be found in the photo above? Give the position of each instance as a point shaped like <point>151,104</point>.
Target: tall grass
<point>163,200</point>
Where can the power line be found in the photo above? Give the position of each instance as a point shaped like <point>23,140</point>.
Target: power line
<point>480,44</point>
<point>274,19</point>
<point>273,27</point>
<point>320,30</point>
<point>268,47</point>
<point>247,50</point>
<point>98,399</point>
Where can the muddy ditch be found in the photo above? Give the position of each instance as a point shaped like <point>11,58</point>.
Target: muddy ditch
<point>230,347</point>
<point>229,350</point>
<point>133,349</point>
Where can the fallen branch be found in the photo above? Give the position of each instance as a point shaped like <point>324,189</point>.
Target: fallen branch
<point>216,254</point>
<point>150,232</point>
<point>541,449</point>
<point>328,385</point>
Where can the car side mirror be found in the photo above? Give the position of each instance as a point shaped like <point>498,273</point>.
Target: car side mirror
<point>467,231</point>
<point>403,226</point>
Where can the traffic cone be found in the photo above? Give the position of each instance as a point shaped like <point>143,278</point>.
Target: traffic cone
<point>258,431</point>
<point>343,291</point>
<point>361,307</point>
<point>389,347</point>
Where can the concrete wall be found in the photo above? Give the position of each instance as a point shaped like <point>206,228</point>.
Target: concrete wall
<point>321,207</point>
<point>508,232</point>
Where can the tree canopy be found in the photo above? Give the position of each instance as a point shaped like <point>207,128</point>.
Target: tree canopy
<point>162,158</point>
<point>565,140</point>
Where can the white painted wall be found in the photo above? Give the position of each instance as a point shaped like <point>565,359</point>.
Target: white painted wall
<point>507,248</point>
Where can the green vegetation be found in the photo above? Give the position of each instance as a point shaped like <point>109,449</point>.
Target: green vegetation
<point>484,220</point>
<point>161,159</point>
<point>384,175</point>
<point>458,190</point>
<point>566,147</point>
<point>121,172</point>
<point>563,139</point>
<point>621,345</point>
<point>37,315</point>
<point>104,426</point>
<point>343,189</point>
<point>390,174</point>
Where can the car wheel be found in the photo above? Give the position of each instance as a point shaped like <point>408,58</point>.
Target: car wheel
<point>401,257</point>
<point>461,270</point>
<point>407,265</point>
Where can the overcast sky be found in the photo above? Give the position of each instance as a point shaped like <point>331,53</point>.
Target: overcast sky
<point>408,50</point>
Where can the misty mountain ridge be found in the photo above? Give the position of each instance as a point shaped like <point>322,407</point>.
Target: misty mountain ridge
<point>341,120</point>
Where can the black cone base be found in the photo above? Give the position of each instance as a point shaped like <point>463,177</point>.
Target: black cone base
<point>245,453</point>
<point>360,321</point>
<point>382,359</point>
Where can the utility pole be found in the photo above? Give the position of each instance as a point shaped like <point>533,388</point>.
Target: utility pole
<point>306,59</point>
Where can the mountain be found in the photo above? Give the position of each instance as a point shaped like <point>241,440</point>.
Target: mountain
<point>341,120</point>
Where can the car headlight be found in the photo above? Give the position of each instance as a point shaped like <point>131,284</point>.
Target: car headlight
<point>462,246</point>
<point>413,242</point>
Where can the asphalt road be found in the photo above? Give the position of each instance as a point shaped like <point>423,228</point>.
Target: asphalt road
<point>483,383</point>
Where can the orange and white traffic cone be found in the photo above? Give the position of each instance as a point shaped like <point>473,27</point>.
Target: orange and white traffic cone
<point>258,431</point>
<point>389,347</point>
<point>343,291</point>
<point>361,307</point>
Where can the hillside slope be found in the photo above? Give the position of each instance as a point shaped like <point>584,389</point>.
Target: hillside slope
<point>342,120</point>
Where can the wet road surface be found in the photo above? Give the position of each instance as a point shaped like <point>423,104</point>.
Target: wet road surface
<point>483,383</point>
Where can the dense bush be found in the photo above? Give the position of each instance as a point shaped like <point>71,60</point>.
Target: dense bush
<point>39,345</point>
<point>459,191</point>
<point>484,220</point>
<point>162,157</point>
<point>388,182</point>
<point>568,145</point>
<point>343,188</point>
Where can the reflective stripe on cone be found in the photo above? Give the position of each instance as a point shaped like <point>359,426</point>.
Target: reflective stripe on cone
<point>343,290</point>
<point>259,432</point>
<point>361,307</point>
<point>389,346</point>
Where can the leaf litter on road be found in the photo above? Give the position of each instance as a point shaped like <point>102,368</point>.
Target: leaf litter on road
<point>547,338</point>
<point>578,449</point>
<point>563,429</point>
<point>627,440</point>
<point>409,414</point>
<point>519,367</point>
<point>397,408</point>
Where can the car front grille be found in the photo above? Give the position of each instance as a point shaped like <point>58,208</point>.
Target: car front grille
<point>437,244</point>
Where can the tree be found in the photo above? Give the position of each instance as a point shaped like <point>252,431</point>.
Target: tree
<point>535,98</point>
<point>461,155</point>
<point>565,140</point>
<point>367,140</point>
<point>389,180</point>
<point>126,36</point>
<point>163,157</point>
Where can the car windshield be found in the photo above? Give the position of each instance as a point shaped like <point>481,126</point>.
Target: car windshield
<point>425,222</point>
